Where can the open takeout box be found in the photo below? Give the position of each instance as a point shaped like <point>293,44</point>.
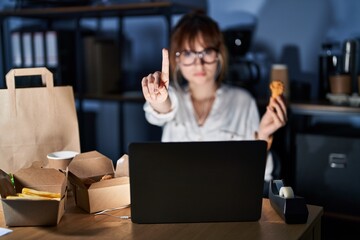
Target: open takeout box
<point>92,195</point>
<point>25,212</point>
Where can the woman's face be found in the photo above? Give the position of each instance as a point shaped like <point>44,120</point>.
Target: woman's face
<point>203,69</point>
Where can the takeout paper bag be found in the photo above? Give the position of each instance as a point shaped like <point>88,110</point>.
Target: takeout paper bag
<point>35,121</point>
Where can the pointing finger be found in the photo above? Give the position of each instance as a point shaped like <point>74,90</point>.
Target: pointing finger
<point>165,67</point>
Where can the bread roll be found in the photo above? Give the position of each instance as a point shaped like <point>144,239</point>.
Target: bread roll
<point>277,88</point>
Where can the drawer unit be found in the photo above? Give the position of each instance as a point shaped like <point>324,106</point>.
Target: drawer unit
<point>328,172</point>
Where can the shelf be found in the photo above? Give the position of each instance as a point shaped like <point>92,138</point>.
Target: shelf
<point>76,14</point>
<point>131,9</point>
<point>322,108</point>
<point>129,96</point>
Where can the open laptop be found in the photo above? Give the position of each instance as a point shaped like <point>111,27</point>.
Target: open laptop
<point>183,182</point>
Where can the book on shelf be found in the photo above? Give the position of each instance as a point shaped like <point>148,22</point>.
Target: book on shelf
<point>27,49</point>
<point>34,46</point>
<point>16,49</point>
<point>51,49</point>
<point>39,52</point>
<point>102,65</point>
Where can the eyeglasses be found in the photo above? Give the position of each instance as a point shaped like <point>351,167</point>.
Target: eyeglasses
<point>187,58</point>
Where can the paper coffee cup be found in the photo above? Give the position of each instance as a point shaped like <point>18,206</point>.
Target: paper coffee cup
<point>340,84</point>
<point>61,159</point>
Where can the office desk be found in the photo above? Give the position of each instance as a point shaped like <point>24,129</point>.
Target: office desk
<point>76,224</point>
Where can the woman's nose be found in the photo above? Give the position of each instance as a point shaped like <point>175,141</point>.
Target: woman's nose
<point>199,59</point>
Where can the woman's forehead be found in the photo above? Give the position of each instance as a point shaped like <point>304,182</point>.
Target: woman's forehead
<point>194,43</point>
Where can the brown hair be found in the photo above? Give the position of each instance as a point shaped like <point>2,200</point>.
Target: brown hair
<point>187,30</point>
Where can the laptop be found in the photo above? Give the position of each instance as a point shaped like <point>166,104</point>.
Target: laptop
<point>189,182</point>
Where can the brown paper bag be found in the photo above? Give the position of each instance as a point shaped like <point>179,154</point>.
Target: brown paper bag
<point>35,121</point>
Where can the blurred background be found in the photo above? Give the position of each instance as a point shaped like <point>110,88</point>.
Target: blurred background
<point>294,33</point>
<point>104,54</point>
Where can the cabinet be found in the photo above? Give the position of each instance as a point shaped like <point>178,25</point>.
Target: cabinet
<point>75,15</point>
<point>327,172</point>
<point>324,153</point>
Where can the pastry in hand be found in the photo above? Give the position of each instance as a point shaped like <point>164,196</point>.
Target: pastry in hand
<point>277,88</point>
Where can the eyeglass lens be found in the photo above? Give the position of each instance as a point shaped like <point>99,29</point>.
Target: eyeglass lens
<point>208,55</point>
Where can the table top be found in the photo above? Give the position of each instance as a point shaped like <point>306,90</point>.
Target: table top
<point>77,224</point>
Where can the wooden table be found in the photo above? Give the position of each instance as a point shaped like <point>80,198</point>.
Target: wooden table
<point>77,224</point>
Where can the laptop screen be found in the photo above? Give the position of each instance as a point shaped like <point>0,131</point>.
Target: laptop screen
<point>196,181</point>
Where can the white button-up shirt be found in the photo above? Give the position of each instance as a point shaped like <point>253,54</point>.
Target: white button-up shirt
<point>233,116</point>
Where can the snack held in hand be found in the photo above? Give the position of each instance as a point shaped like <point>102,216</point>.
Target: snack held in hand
<point>32,194</point>
<point>277,88</point>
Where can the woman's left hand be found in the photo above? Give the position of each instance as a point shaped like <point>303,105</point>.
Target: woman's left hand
<point>274,118</point>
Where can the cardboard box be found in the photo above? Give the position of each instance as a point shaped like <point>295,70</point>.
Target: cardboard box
<point>92,195</point>
<point>33,212</point>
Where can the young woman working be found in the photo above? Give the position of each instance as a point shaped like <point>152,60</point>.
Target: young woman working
<point>198,106</point>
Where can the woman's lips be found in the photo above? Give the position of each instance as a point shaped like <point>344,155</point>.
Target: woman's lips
<point>200,74</point>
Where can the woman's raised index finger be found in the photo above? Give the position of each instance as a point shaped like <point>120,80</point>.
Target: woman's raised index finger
<point>165,65</point>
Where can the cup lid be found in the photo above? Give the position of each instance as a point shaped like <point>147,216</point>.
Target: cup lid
<point>62,155</point>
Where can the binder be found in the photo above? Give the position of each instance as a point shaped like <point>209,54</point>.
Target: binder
<point>16,49</point>
<point>102,64</point>
<point>27,49</point>
<point>39,52</point>
<point>51,49</point>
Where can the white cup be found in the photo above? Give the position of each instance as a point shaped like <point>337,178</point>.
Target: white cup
<point>61,159</point>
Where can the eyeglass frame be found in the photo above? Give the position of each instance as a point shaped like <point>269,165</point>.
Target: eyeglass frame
<point>199,55</point>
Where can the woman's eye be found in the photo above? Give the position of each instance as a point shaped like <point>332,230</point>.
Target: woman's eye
<point>187,53</point>
<point>208,51</point>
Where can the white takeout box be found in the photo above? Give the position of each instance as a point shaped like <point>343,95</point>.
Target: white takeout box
<point>33,212</point>
<point>99,195</point>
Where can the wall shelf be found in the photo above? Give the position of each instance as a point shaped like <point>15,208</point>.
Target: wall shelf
<point>323,108</point>
<point>77,13</point>
<point>165,9</point>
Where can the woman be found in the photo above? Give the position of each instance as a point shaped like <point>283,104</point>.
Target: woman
<point>199,107</point>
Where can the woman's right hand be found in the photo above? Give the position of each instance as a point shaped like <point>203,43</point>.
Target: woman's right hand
<point>155,86</point>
